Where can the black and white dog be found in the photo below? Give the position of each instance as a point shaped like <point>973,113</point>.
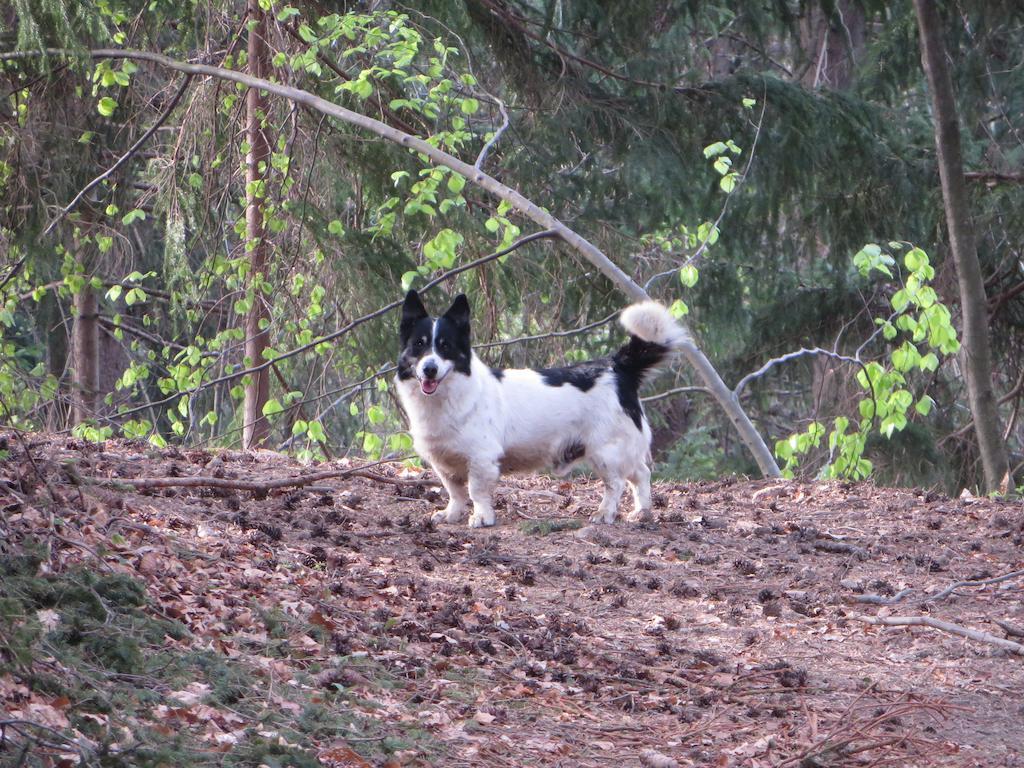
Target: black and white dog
<point>472,422</point>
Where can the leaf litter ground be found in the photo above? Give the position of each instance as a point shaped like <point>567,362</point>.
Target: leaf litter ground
<point>334,625</point>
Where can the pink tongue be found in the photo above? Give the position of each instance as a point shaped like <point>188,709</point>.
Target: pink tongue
<point>429,386</point>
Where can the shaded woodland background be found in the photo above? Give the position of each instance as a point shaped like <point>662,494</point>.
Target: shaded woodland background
<point>117,315</point>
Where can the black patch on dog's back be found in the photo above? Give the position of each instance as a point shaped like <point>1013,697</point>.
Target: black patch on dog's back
<point>630,365</point>
<point>583,376</point>
<point>498,373</point>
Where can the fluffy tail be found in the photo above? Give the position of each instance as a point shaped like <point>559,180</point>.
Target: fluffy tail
<point>652,322</point>
<point>653,335</point>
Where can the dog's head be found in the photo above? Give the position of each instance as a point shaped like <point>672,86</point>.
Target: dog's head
<point>434,348</point>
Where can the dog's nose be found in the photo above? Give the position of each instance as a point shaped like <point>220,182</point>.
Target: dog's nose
<point>430,370</point>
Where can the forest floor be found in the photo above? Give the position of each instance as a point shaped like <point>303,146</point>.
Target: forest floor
<point>334,625</point>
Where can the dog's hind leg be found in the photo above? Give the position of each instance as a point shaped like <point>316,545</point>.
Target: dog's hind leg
<point>608,510</point>
<point>483,478</point>
<point>640,481</point>
<point>458,497</point>
<point>606,464</point>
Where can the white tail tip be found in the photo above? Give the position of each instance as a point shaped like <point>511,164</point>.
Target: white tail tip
<point>652,322</point>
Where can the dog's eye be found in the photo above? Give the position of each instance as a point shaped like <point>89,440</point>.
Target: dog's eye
<point>442,344</point>
<point>418,344</point>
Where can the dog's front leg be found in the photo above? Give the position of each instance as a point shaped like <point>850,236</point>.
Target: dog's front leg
<point>483,477</point>
<point>458,497</point>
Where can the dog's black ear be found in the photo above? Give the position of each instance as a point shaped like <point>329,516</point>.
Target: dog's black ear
<point>458,312</point>
<point>412,312</point>
<point>412,308</point>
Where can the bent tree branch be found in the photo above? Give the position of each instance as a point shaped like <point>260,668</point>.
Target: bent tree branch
<point>697,359</point>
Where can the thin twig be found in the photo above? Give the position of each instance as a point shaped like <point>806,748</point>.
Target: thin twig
<point>552,335</point>
<point>124,158</point>
<point>792,356</point>
<point>706,242</point>
<point>547,233</point>
<point>494,139</point>
<point>674,392</point>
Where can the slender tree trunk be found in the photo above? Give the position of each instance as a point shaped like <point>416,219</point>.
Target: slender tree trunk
<point>84,356</point>
<point>976,355</point>
<point>257,391</point>
<point>833,41</point>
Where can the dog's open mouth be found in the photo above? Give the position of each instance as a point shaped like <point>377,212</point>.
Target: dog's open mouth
<point>429,386</point>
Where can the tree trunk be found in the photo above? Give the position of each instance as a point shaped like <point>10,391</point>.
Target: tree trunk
<point>976,356</point>
<point>832,40</point>
<point>257,391</point>
<point>84,356</point>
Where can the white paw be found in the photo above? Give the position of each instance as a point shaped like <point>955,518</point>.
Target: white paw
<point>642,516</point>
<point>447,515</point>
<point>481,519</point>
<point>603,518</point>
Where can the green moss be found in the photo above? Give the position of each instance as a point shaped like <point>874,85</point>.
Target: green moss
<point>545,527</point>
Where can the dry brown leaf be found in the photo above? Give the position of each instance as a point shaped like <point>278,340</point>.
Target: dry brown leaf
<point>340,755</point>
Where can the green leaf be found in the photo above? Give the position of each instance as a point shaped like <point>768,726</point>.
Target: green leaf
<point>456,183</point>
<point>132,216</point>
<point>924,405</point>
<point>929,362</point>
<point>688,275</point>
<point>749,103</point>
<point>134,296</point>
<point>915,259</point>
<point>106,106</point>
<point>316,432</point>
<point>272,407</point>
<point>715,149</point>
<point>115,292</point>
<point>336,228</point>
<point>375,414</point>
<point>469,106</point>
<point>286,13</point>
<point>408,278</point>
<point>372,443</point>
<point>299,427</point>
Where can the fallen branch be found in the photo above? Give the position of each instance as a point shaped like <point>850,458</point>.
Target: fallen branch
<point>880,600</point>
<point>260,488</point>
<point>978,583</point>
<point>1009,629</point>
<point>944,626</point>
